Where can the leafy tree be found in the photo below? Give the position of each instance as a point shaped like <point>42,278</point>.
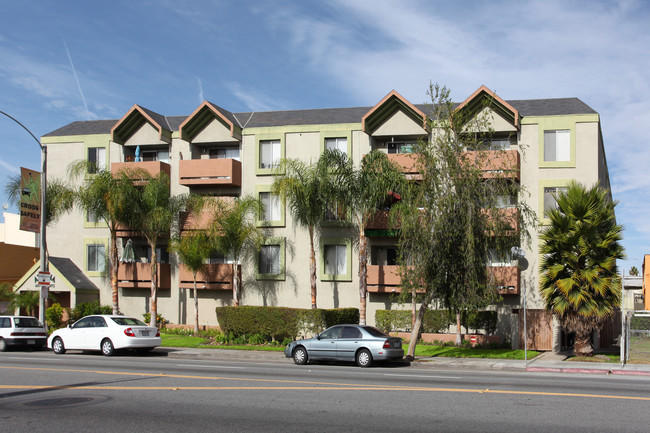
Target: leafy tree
<point>234,232</point>
<point>450,218</point>
<point>103,195</point>
<point>302,185</point>
<point>153,212</point>
<point>193,249</point>
<point>580,284</point>
<point>634,271</point>
<point>361,192</point>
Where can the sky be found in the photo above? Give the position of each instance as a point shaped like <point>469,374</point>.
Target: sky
<point>64,61</point>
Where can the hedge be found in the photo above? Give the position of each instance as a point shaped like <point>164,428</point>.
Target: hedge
<point>436,321</point>
<point>277,323</point>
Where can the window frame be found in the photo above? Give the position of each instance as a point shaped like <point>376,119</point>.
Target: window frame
<point>342,133</point>
<point>88,242</point>
<point>330,241</point>
<point>544,184</point>
<point>258,156</point>
<point>281,276</point>
<point>259,189</point>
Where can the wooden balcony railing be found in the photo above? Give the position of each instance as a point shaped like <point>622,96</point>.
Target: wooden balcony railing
<point>152,167</point>
<point>383,279</point>
<point>210,172</point>
<point>506,279</point>
<point>138,275</point>
<point>214,276</point>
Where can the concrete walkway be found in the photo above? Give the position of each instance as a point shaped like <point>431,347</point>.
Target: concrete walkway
<point>545,362</point>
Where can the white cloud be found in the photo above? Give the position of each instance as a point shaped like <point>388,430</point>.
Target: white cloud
<point>253,99</point>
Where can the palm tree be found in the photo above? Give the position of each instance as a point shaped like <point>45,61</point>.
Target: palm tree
<point>303,185</point>
<point>59,199</point>
<point>26,301</point>
<point>579,283</point>
<point>152,211</point>
<point>193,249</point>
<point>234,231</point>
<point>362,191</point>
<point>103,195</point>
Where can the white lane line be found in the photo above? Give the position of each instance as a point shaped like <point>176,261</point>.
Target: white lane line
<point>208,366</point>
<point>418,376</point>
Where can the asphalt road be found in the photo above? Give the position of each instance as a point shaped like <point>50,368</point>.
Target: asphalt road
<point>40,391</point>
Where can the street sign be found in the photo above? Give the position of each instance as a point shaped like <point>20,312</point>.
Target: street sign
<point>44,278</point>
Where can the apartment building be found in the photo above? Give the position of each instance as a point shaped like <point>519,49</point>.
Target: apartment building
<point>549,143</point>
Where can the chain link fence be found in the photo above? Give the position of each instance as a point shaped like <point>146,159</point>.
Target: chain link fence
<point>637,337</point>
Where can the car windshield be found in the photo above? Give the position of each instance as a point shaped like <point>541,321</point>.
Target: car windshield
<point>26,322</point>
<point>126,321</point>
<point>374,331</point>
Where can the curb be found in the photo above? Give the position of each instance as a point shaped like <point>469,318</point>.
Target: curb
<point>587,371</point>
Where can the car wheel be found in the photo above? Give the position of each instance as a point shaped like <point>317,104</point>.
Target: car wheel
<point>364,358</point>
<point>3,345</point>
<point>58,347</point>
<point>107,347</point>
<point>300,356</point>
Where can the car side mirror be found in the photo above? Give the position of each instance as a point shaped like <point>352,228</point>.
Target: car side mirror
<point>317,336</point>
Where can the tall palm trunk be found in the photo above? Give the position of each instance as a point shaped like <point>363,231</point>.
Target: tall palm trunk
<point>312,268</point>
<point>196,306</point>
<point>114,264</point>
<point>154,286</point>
<point>363,276</point>
<point>458,330</point>
<point>235,283</point>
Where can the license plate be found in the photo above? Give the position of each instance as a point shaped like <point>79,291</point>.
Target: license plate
<point>396,345</point>
<point>144,333</point>
<point>31,341</point>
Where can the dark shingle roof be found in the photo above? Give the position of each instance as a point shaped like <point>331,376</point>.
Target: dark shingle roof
<point>323,116</point>
<point>72,273</point>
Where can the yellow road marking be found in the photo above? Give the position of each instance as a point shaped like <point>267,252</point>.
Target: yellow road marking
<point>324,386</point>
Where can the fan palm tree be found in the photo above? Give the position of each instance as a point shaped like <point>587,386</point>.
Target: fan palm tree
<point>103,195</point>
<point>234,231</point>
<point>579,283</point>
<point>303,186</point>
<point>193,249</point>
<point>362,192</point>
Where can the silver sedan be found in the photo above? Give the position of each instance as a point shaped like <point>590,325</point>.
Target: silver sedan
<point>354,343</point>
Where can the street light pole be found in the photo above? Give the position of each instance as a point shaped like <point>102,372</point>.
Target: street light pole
<point>44,267</point>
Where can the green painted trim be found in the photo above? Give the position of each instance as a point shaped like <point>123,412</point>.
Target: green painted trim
<point>107,150</point>
<point>263,137</point>
<point>348,256</point>
<point>283,247</point>
<point>547,183</point>
<point>95,241</point>
<point>578,118</point>
<point>383,233</point>
<point>282,222</point>
<point>91,140</point>
<point>290,129</point>
<point>340,133</point>
<point>92,225</point>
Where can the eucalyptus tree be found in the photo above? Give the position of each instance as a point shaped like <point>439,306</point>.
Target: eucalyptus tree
<point>361,192</point>
<point>450,219</point>
<point>193,249</point>
<point>302,185</point>
<point>580,282</point>
<point>152,211</point>
<point>234,231</point>
<point>103,195</point>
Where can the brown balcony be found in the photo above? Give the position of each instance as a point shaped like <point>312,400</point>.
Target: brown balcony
<point>151,167</point>
<point>138,275</point>
<point>406,161</point>
<point>210,172</point>
<point>509,217</point>
<point>380,221</point>
<point>213,276</point>
<point>383,279</point>
<point>506,278</point>
<point>496,163</point>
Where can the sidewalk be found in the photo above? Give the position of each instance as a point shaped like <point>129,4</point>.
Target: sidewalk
<point>546,362</point>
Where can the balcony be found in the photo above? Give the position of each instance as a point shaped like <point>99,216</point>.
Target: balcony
<point>506,278</point>
<point>213,276</point>
<point>138,276</point>
<point>406,161</point>
<point>224,171</point>
<point>151,167</point>
<point>496,163</point>
<point>383,279</point>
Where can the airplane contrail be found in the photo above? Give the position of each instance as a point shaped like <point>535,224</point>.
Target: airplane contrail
<point>201,97</point>
<point>74,72</point>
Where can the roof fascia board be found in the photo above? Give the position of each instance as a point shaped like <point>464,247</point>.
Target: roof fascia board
<point>387,106</point>
<point>188,132</point>
<point>475,100</point>
<point>131,120</point>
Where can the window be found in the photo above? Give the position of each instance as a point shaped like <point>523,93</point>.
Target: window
<point>272,207</point>
<point>557,145</point>
<point>96,159</point>
<point>96,258</point>
<point>269,259</point>
<point>92,217</point>
<point>217,258</point>
<point>336,259</point>
<point>225,153</point>
<point>383,255</point>
<point>550,195</point>
<point>400,146</point>
<point>499,258</point>
<point>331,333</point>
<point>156,155</point>
<point>350,332</point>
<point>335,212</point>
<point>337,143</point>
<point>505,201</point>
<point>269,153</point>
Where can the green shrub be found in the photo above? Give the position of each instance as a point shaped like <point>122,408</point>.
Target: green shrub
<point>53,316</point>
<point>477,320</point>
<point>280,323</point>
<point>639,322</point>
<point>161,322</point>
<point>434,321</point>
<point>86,309</point>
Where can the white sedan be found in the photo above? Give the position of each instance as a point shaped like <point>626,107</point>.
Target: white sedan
<point>106,333</point>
